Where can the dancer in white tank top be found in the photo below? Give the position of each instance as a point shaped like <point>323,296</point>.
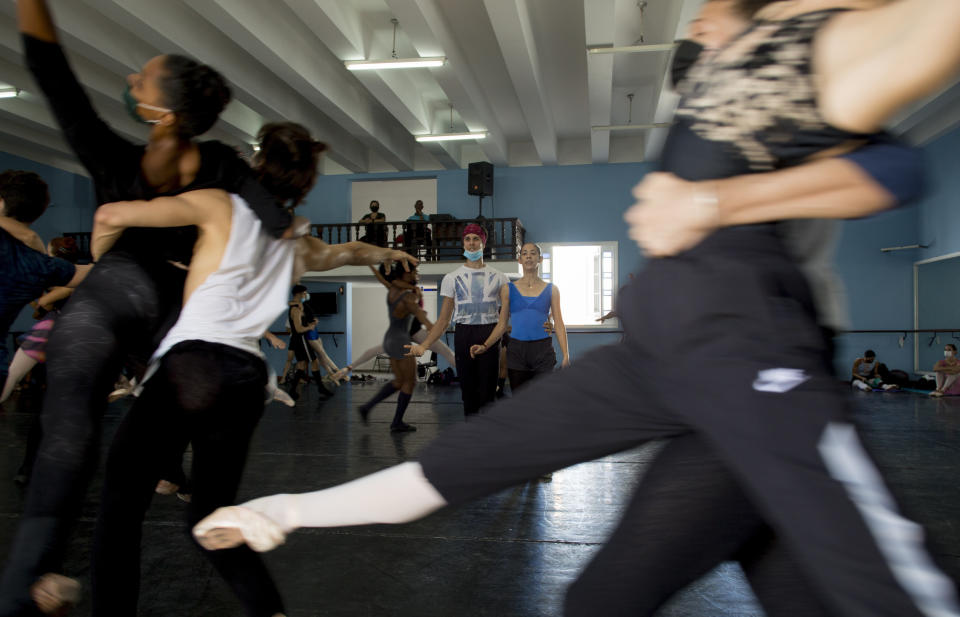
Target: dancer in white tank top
<point>207,377</point>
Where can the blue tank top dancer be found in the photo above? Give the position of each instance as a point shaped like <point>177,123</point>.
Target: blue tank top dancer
<point>526,305</point>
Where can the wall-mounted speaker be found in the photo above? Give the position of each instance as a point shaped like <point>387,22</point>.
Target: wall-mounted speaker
<point>480,179</point>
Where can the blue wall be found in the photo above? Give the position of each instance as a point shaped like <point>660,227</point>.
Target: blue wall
<point>585,203</point>
<point>71,208</point>
<point>580,203</point>
<point>879,287</point>
<point>939,223</point>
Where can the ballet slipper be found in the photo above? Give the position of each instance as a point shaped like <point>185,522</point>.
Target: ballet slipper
<point>234,525</point>
<point>166,487</point>
<point>55,594</point>
<point>282,397</point>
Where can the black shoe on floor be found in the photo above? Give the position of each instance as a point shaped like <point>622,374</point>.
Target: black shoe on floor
<point>364,412</point>
<point>403,427</point>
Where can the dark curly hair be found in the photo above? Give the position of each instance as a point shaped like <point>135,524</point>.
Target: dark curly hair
<point>195,92</point>
<point>395,271</point>
<point>25,195</point>
<point>286,164</point>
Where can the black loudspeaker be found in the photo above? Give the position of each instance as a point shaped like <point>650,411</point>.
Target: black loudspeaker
<point>480,179</point>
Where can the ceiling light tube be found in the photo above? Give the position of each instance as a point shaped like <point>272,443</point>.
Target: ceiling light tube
<point>394,63</point>
<point>629,49</point>
<point>9,93</point>
<point>452,136</point>
<point>631,127</point>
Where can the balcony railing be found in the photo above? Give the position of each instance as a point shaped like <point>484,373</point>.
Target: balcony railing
<point>435,240</point>
<point>438,240</point>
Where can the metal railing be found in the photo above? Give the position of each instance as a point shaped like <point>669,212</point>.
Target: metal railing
<point>435,240</point>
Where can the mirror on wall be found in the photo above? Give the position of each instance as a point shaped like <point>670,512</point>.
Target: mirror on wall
<point>936,288</point>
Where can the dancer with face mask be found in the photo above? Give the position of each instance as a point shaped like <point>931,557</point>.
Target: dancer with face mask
<point>135,292</point>
<point>471,297</point>
<point>947,370</point>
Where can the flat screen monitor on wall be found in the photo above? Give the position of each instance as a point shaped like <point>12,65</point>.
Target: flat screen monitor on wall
<point>323,302</point>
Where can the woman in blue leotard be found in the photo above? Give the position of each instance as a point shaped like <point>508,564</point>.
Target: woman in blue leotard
<point>526,305</point>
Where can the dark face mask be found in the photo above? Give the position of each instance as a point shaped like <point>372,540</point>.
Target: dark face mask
<point>374,208</point>
<point>684,56</point>
<point>133,107</point>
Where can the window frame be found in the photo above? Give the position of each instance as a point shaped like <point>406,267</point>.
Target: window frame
<point>606,246</point>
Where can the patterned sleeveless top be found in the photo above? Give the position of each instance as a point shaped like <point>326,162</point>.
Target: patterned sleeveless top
<point>757,96</point>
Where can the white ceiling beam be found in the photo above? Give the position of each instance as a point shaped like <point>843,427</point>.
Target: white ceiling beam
<point>15,124</point>
<point>282,43</point>
<point>334,22</point>
<point>102,56</point>
<point>599,25</point>
<point>175,28</point>
<point>32,150</point>
<point>511,25</point>
<point>427,30</point>
<point>683,13</point>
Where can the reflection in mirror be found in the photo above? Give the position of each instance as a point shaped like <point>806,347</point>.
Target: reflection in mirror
<point>937,307</point>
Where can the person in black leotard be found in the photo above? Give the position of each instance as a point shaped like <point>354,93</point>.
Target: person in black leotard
<point>134,293</point>
<point>402,308</point>
<point>770,411</point>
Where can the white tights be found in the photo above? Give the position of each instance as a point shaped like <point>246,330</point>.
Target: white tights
<point>398,494</point>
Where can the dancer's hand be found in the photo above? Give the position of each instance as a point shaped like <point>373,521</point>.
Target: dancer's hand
<point>548,327</point>
<point>566,362</point>
<point>415,350</point>
<point>406,260</point>
<point>671,215</point>
<point>476,350</point>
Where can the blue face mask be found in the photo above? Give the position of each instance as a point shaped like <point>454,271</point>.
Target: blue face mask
<point>306,297</point>
<point>473,255</point>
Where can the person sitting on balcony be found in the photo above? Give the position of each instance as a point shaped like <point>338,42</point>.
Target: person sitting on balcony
<point>417,232</point>
<point>375,231</point>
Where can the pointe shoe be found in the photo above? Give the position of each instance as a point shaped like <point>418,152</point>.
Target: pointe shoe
<point>55,594</point>
<point>233,525</point>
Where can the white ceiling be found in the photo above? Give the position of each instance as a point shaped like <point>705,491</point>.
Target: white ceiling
<point>516,68</point>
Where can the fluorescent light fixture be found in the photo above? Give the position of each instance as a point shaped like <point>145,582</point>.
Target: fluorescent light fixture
<point>631,127</point>
<point>9,93</point>
<point>256,147</point>
<point>394,63</point>
<point>629,49</point>
<point>452,136</point>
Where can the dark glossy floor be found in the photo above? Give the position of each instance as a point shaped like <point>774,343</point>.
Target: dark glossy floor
<point>509,555</point>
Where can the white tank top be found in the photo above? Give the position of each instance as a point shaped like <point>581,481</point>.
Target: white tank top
<point>244,296</point>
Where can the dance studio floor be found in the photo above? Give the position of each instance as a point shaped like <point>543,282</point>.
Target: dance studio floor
<point>509,555</point>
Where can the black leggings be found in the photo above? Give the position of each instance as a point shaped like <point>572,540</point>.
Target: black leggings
<point>478,376</point>
<point>686,516</point>
<point>767,407</point>
<point>118,310</point>
<point>211,395</point>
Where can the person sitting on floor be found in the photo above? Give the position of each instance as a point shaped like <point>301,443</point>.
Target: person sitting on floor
<point>866,374</point>
<point>947,371</point>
